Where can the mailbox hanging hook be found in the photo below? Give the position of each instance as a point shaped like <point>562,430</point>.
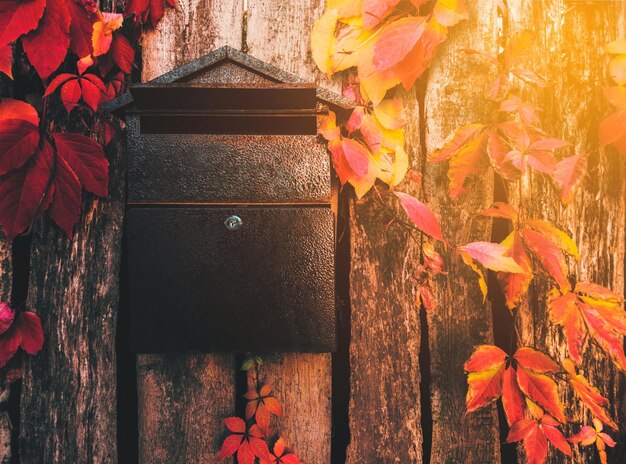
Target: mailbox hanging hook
<point>233,222</point>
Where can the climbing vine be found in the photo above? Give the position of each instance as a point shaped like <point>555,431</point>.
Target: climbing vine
<point>380,44</point>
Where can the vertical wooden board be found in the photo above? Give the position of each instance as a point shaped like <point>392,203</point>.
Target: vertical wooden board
<point>5,389</point>
<point>278,32</point>
<point>68,403</point>
<point>183,397</point>
<point>384,410</point>
<point>194,28</point>
<point>462,320</point>
<point>301,386</point>
<point>570,51</point>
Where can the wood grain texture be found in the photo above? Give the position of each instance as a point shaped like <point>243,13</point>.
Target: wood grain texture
<point>277,32</point>
<point>182,399</point>
<point>385,375</point>
<point>454,97</point>
<point>68,411</point>
<point>5,389</point>
<point>194,28</point>
<point>302,385</point>
<point>570,41</point>
<point>199,390</point>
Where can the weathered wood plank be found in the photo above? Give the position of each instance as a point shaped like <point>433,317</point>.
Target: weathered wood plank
<point>5,389</point>
<point>570,40</point>
<point>454,97</point>
<point>384,410</point>
<point>68,411</point>
<point>278,32</point>
<point>302,385</point>
<point>188,393</point>
<point>182,399</point>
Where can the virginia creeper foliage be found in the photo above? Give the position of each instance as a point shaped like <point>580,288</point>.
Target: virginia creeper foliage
<point>381,46</point>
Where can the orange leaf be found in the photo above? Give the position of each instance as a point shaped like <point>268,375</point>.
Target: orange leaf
<point>512,397</point>
<point>374,11</point>
<point>588,394</point>
<point>542,390</point>
<point>568,175</point>
<point>564,312</point>
<point>396,40</point>
<point>536,361</point>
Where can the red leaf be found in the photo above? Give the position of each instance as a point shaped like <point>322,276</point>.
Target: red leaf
<point>47,46</point>
<point>31,333</point>
<point>520,429</point>
<point>18,17</point>
<point>7,315</point>
<point>397,40</point>
<point>57,81</point>
<point>20,193</point>
<point>235,424</point>
<point>86,158</point>
<point>564,312</point>
<point>421,216</point>
<point>548,254</point>
<point>122,52</point>
<point>90,93</point>
<point>6,60</point>
<point>536,361</point>
<point>245,454</point>
<point>18,142</point>
<point>259,448</point>
<point>65,207</point>
<point>9,343</point>
<point>81,29</point>
<point>230,445</point>
<point>512,397</point>
<point>16,109</point>
<point>356,155</point>
<point>70,94</point>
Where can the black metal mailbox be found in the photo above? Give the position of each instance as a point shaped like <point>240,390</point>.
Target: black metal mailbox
<point>230,225</point>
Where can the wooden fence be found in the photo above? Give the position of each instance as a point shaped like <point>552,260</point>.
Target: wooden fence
<point>396,390</point>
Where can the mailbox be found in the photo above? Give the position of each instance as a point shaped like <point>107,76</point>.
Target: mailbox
<point>230,222</point>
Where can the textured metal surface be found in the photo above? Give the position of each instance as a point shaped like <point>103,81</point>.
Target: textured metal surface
<point>205,97</point>
<point>266,287</point>
<point>224,169</point>
<point>233,124</point>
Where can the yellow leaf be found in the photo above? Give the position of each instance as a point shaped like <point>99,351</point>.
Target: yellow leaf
<point>322,38</point>
<point>103,31</point>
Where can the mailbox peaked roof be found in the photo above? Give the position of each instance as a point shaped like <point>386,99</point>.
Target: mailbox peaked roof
<point>227,66</point>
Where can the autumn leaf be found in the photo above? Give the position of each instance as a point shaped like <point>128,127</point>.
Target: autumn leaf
<point>247,442</point>
<point>145,11</point>
<point>421,216</point>
<point>492,256</point>
<point>24,330</point>
<point>493,374</point>
<point>280,456</point>
<point>590,435</point>
<point>594,310</point>
<point>465,151</point>
<point>569,174</point>
<point>18,17</point>
<point>103,28</point>
<point>81,28</point>
<point>612,131</point>
<point>396,41</point>
<point>536,433</point>
<point>260,405</point>
<point>6,60</point>
<point>450,12</point>
<point>73,87</point>
<point>588,394</point>
<point>47,45</point>
<point>375,11</point>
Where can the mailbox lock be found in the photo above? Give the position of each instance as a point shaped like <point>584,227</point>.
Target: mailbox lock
<point>233,222</point>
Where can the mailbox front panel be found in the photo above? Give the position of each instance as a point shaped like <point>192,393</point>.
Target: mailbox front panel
<point>231,279</point>
<point>197,168</point>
